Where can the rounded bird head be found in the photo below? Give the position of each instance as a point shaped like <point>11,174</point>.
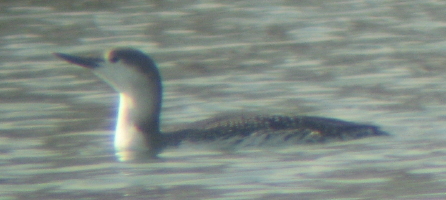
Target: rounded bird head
<point>125,69</point>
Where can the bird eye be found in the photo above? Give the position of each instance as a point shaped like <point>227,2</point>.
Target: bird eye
<point>114,59</point>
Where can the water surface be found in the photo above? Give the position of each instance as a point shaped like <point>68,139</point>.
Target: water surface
<point>379,62</point>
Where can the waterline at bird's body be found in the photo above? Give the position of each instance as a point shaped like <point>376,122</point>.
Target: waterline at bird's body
<point>135,76</point>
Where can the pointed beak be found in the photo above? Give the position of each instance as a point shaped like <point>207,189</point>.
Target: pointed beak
<point>90,63</point>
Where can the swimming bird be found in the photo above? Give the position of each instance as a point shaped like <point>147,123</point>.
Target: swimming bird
<point>135,76</point>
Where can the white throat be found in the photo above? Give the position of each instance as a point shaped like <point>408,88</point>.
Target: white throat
<point>127,136</point>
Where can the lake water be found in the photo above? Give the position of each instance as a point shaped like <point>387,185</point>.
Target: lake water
<point>380,62</point>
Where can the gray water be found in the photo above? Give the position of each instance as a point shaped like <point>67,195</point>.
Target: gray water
<point>379,62</point>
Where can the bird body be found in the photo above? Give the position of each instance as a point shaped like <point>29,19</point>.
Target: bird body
<point>135,77</point>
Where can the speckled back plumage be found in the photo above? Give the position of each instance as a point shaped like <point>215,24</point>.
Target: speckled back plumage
<point>293,129</point>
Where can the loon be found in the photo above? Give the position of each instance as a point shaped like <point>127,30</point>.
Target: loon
<point>135,76</point>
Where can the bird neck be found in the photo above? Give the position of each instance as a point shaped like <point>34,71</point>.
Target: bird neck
<point>137,128</point>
